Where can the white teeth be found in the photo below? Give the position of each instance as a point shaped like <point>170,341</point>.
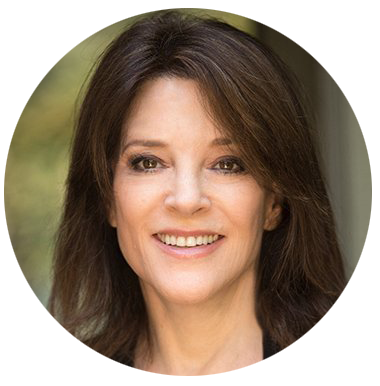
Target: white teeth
<point>190,241</point>
<point>181,241</point>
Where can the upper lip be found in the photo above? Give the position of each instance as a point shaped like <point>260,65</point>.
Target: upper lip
<point>187,233</point>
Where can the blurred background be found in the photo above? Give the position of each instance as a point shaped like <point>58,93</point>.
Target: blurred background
<point>38,156</point>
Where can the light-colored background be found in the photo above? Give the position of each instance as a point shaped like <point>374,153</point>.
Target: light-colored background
<point>38,156</point>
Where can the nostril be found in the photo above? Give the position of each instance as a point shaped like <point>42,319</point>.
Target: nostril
<point>189,204</point>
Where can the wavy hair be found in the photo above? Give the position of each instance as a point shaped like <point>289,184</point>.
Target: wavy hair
<point>255,100</point>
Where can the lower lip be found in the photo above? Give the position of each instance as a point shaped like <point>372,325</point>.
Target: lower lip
<point>197,252</point>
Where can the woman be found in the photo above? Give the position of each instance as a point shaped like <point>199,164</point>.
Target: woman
<point>197,235</point>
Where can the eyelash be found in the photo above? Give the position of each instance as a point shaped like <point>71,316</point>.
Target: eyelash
<point>135,164</point>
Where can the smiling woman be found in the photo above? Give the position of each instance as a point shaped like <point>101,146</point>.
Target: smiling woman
<point>182,191</point>
<point>197,234</point>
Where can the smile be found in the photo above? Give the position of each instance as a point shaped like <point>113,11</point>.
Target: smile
<point>187,242</point>
<point>188,245</point>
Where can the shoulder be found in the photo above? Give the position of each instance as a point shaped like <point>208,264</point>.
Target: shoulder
<point>49,363</point>
<point>350,354</point>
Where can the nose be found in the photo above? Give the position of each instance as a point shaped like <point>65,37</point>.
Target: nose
<point>187,193</point>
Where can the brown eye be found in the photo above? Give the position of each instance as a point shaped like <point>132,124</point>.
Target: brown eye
<point>145,163</point>
<point>227,165</point>
<point>149,163</point>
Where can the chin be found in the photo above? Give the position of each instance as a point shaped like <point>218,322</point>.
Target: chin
<point>187,290</point>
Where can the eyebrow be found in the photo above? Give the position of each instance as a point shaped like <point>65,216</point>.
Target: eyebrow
<point>155,143</point>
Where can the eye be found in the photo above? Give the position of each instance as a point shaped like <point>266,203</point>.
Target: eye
<point>229,166</point>
<point>145,163</point>
<point>149,163</point>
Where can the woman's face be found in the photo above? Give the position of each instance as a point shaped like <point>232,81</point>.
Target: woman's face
<point>189,219</point>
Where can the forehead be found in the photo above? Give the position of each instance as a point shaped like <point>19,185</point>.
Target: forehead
<point>169,106</point>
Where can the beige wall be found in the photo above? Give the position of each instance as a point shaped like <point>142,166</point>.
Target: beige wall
<point>343,149</point>
<point>344,94</point>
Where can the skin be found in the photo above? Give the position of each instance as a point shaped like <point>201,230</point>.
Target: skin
<point>201,310</point>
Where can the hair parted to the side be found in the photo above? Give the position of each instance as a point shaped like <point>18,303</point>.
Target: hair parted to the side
<point>254,100</point>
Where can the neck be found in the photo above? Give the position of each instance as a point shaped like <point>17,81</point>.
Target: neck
<point>217,335</point>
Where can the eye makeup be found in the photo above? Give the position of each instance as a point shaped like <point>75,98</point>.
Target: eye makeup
<point>149,163</point>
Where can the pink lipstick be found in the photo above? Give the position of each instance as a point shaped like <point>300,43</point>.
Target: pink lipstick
<point>196,252</point>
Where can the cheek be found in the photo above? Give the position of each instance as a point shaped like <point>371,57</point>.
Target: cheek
<point>133,207</point>
<point>245,210</point>
<point>133,200</point>
<point>245,206</point>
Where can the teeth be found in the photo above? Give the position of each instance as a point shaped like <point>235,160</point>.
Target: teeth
<point>190,241</point>
<point>181,241</point>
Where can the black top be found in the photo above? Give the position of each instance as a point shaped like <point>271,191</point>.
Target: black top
<point>348,355</point>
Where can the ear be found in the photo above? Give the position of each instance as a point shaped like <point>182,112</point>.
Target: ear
<point>111,215</point>
<point>273,213</point>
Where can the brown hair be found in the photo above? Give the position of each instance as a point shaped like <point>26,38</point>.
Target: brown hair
<point>255,100</point>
